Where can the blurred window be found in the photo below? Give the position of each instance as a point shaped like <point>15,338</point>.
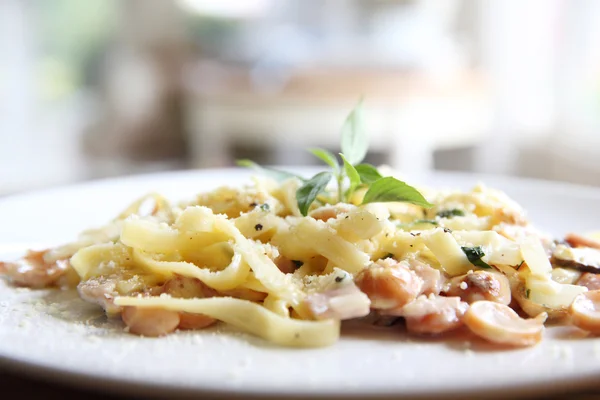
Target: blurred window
<point>71,36</point>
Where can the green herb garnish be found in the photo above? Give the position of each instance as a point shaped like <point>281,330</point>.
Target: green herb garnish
<point>474,255</point>
<point>355,142</point>
<point>368,173</point>
<point>425,221</point>
<point>308,192</point>
<point>327,157</point>
<point>454,212</point>
<point>391,189</point>
<point>352,175</point>
<point>349,175</point>
<point>527,293</point>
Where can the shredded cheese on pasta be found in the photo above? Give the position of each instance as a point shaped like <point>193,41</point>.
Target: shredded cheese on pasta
<point>260,260</point>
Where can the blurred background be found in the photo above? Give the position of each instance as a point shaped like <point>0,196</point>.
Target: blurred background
<point>100,88</point>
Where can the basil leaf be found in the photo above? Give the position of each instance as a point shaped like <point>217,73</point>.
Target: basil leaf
<point>368,173</point>
<point>352,174</point>
<point>327,157</point>
<point>354,138</point>
<point>454,212</point>
<point>425,221</point>
<point>474,255</point>
<point>273,173</point>
<point>307,193</point>
<point>391,189</point>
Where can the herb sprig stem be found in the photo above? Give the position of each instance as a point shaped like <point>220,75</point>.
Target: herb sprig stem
<point>354,144</point>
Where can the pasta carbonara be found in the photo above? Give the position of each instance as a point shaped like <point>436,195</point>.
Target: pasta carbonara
<point>249,258</point>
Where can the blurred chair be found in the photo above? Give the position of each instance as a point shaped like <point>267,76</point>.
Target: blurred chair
<point>408,116</point>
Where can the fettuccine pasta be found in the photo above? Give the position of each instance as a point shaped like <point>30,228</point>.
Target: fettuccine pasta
<point>247,257</point>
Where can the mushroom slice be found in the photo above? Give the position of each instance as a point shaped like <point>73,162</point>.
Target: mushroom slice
<point>567,276</point>
<point>480,285</point>
<point>585,311</point>
<point>521,295</point>
<point>586,259</point>
<point>498,323</point>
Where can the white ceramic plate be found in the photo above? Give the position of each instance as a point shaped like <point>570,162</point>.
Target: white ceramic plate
<point>59,336</point>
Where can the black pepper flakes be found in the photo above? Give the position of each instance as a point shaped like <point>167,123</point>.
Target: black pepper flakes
<point>338,279</point>
<point>447,230</point>
<point>258,227</point>
<point>298,263</point>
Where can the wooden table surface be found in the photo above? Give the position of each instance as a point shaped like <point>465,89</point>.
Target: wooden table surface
<point>32,388</point>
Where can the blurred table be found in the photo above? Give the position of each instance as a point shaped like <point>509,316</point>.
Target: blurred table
<point>408,115</point>
<point>29,388</point>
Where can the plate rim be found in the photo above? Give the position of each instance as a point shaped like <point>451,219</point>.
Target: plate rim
<point>122,385</point>
<point>119,386</point>
<point>476,177</point>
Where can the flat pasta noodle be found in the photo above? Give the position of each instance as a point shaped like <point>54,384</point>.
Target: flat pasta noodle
<point>228,278</point>
<point>149,236</point>
<point>150,204</point>
<point>445,248</point>
<point>358,224</point>
<point>258,223</point>
<point>319,236</point>
<point>498,249</point>
<point>249,317</point>
<point>88,261</point>
<point>202,219</point>
<point>288,194</point>
<point>291,279</point>
<point>276,305</point>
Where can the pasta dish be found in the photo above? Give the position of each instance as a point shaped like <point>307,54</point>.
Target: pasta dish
<point>288,259</point>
